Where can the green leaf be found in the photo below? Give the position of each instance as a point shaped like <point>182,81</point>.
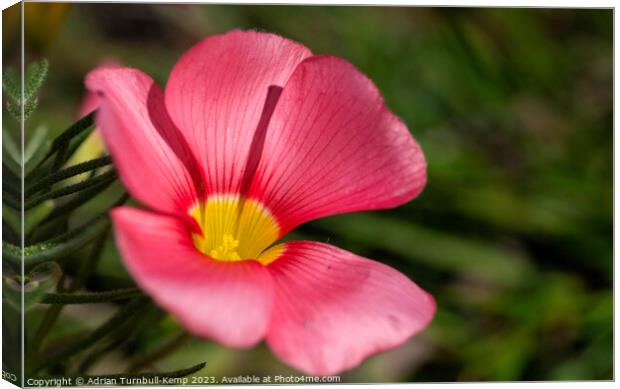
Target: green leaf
<point>58,247</point>
<point>160,352</point>
<point>119,318</point>
<point>71,171</point>
<point>15,110</point>
<point>36,74</point>
<point>11,165</point>
<point>75,129</point>
<point>10,148</point>
<point>78,200</point>
<point>86,184</point>
<point>33,217</point>
<point>30,106</point>
<point>11,217</point>
<point>92,297</point>
<point>11,84</point>
<point>62,142</point>
<point>36,148</point>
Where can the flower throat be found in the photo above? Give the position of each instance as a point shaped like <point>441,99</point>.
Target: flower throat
<point>235,229</point>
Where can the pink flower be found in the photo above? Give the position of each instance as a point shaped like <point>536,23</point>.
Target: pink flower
<point>252,137</point>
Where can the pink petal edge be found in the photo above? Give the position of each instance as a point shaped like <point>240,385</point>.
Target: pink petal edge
<point>135,127</point>
<point>226,301</point>
<point>333,309</point>
<point>332,147</point>
<point>216,94</point>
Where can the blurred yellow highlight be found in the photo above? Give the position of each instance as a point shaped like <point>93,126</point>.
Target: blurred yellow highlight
<point>92,147</point>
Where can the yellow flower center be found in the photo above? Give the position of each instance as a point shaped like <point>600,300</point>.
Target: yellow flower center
<point>227,250</point>
<point>235,229</point>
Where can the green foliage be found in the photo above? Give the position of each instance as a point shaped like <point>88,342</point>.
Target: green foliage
<point>26,101</point>
<point>90,298</point>
<point>37,283</point>
<point>123,314</point>
<point>35,75</point>
<point>11,84</point>
<point>88,183</point>
<point>58,247</point>
<point>84,167</point>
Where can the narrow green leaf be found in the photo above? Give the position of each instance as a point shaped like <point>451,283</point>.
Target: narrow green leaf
<point>30,106</point>
<point>78,200</point>
<point>36,158</point>
<point>10,147</point>
<point>86,184</point>
<point>11,165</point>
<point>90,298</point>
<point>71,171</point>
<point>35,143</point>
<point>123,314</point>
<point>34,216</point>
<point>68,141</point>
<point>57,247</point>
<point>160,352</point>
<point>36,74</point>
<point>10,84</point>
<point>75,129</point>
<point>11,217</point>
<point>15,110</point>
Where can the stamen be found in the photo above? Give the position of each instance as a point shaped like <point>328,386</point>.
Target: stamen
<point>226,251</point>
<point>234,228</point>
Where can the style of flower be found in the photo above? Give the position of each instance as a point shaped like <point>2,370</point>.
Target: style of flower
<point>254,136</point>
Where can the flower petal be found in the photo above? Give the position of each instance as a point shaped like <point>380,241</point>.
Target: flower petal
<point>147,149</point>
<point>333,308</point>
<point>217,93</point>
<point>90,101</point>
<point>227,301</point>
<point>332,147</point>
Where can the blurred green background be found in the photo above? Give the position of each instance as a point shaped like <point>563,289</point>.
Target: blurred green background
<point>513,233</point>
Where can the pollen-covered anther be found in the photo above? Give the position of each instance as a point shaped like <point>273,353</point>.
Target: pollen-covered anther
<point>227,250</point>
